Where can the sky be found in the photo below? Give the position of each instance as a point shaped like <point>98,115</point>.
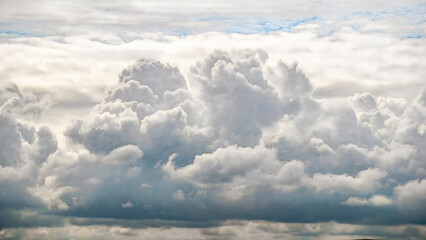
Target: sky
<point>212,119</point>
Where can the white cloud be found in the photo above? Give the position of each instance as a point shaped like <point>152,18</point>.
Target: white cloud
<point>179,195</point>
<point>154,75</point>
<point>366,181</point>
<point>411,195</point>
<point>128,204</point>
<point>123,155</point>
<point>375,200</point>
<point>67,17</point>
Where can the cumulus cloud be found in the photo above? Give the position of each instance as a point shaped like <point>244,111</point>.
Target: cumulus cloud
<point>23,147</point>
<point>238,171</point>
<point>154,75</point>
<point>375,200</point>
<point>213,143</point>
<point>366,181</point>
<point>318,117</point>
<point>412,194</point>
<point>10,141</point>
<point>21,103</point>
<point>123,155</point>
<point>215,133</point>
<point>20,142</point>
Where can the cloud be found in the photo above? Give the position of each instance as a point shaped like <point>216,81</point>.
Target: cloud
<point>123,155</point>
<point>237,171</point>
<point>366,181</point>
<point>228,229</point>
<point>19,139</point>
<point>128,204</point>
<point>179,195</point>
<point>236,129</point>
<point>375,200</point>
<point>211,144</point>
<point>154,75</point>
<point>412,194</point>
<point>23,147</point>
<point>50,193</point>
<point>10,141</point>
<point>25,104</point>
<point>308,122</point>
<point>238,98</point>
<point>238,16</point>
<point>45,144</point>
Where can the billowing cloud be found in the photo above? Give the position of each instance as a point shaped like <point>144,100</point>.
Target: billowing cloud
<point>237,137</point>
<point>412,194</point>
<point>214,120</point>
<point>25,104</point>
<point>238,128</point>
<point>23,147</point>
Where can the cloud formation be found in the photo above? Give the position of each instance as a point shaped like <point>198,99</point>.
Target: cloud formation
<point>122,120</point>
<point>237,138</point>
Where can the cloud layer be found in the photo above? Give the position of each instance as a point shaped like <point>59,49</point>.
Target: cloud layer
<point>212,120</point>
<point>238,138</point>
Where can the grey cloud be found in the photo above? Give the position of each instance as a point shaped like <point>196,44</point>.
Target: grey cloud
<point>23,103</point>
<point>133,91</point>
<point>225,164</point>
<point>64,97</point>
<point>28,132</point>
<point>238,98</point>
<point>364,101</point>
<point>236,137</point>
<point>412,194</point>
<point>213,140</point>
<point>222,230</point>
<point>22,149</point>
<point>290,81</point>
<point>242,130</point>
<point>10,218</point>
<point>10,141</point>
<point>45,144</point>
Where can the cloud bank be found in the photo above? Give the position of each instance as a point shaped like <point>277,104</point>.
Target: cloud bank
<point>236,138</point>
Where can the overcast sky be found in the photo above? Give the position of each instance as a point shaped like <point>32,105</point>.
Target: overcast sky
<point>212,119</point>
